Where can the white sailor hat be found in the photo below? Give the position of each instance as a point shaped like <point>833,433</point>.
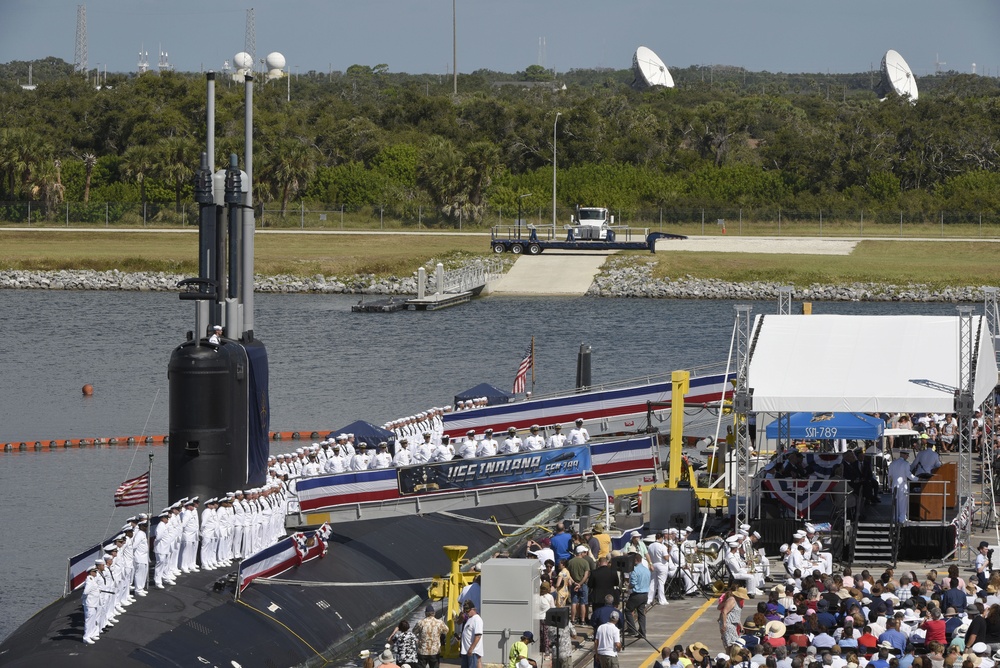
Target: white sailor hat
<point>110,548</point>
<point>799,534</point>
<point>488,431</point>
<point>404,440</point>
<point>511,429</point>
<point>383,444</point>
<point>99,562</point>
<point>733,540</point>
<point>579,421</point>
<point>535,427</point>
<point>134,518</point>
<point>810,528</point>
<point>471,432</point>
<point>93,567</point>
<point>742,532</point>
<point>119,537</point>
<point>427,433</point>
<point>362,445</point>
<point>756,535</point>
<point>315,444</point>
<point>230,495</point>
<point>783,548</point>
<point>341,436</point>
<point>217,328</point>
<point>143,516</point>
<point>299,451</point>
<point>745,527</point>
<point>194,499</point>
<point>177,504</point>
<point>649,538</point>
<point>239,492</point>
<point>350,435</point>
<point>128,527</point>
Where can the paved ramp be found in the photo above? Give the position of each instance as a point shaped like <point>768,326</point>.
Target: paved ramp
<point>551,273</point>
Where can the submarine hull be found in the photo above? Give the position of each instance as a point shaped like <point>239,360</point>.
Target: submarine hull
<point>288,625</point>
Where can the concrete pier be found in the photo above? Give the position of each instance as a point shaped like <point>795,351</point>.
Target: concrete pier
<point>552,273</point>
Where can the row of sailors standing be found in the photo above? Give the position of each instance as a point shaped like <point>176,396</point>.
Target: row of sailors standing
<point>231,527</point>
<point>340,455</point>
<point>431,420</point>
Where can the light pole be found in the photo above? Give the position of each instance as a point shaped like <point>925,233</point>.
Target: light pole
<point>555,124</point>
<point>519,198</point>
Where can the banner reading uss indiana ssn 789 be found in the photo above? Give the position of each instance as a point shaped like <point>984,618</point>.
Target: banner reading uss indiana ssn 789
<point>459,474</point>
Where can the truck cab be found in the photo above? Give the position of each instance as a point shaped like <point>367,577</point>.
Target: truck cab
<point>591,223</point>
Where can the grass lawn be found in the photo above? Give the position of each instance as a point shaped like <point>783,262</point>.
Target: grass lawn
<point>935,264</point>
<point>938,265</point>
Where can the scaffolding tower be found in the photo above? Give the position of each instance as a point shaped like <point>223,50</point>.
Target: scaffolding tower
<point>742,407</point>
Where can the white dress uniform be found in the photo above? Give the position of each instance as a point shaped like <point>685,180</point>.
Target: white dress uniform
<point>189,539</point>
<point>127,557</point>
<point>510,446</point>
<point>312,468</point>
<point>468,448</point>
<point>822,560</point>
<point>658,557</point>
<point>105,602</point>
<point>900,477</point>
<point>403,457</point>
<point>556,440</point>
<point>442,453</point>
<point>361,461</point>
<point>91,607</point>
<point>738,569</point>
<point>140,557</point>
<point>534,442</point>
<point>381,460</point>
<point>335,462</point>
<point>209,537</point>
<point>161,548</point>
<point>676,563</point>
<point>423,453</point>
<point>579,436</point>
<point>487,447</point>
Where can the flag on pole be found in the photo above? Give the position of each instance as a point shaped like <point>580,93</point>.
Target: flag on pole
<point>527,362</point>
<point>133,492</point>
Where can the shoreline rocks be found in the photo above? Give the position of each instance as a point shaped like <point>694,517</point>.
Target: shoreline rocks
<point>616,280</point>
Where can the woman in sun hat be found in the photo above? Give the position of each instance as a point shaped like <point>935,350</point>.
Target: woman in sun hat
<point>774,634</point>
<point>731,614</point>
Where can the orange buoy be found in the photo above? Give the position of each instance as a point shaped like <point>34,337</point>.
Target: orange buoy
<point>88,390</point>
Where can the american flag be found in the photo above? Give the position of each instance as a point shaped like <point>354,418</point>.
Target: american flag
<point>527,362</point>
<point>133,492</point>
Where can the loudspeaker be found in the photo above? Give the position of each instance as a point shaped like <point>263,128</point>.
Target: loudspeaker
<point>622,563</point>
<point>558,617</point>
<point>672,508</point>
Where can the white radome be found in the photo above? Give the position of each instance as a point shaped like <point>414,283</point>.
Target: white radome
<point>275,61</point>
<point>243,61</point>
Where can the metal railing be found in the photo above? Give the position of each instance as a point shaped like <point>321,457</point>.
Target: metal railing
<point>471,276</point>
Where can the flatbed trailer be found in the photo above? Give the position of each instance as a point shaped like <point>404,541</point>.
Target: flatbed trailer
<point>533,241</point>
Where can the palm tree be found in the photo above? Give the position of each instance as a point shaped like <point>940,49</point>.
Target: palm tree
<point>177,159</point>
<point>139,162</point>
<point>293,163</point>
<point>89,162</point>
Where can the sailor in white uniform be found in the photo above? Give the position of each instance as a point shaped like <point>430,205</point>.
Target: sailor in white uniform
<point>216,337</point>
<point>468,448</point>
<point>140,555</point>
<point>424,452</point>
<point>512,444</point>
<point>737,566</point>
<point>488,446</point>
<point>823,560</point>
<point>677,562</point>
<point>91,605</point>
<point>189,536</point>
<point>443,452</point>
<point>335,462</point>
<point>403,457</point>
<point>362,459</point>
<point>382,458</point>
<point>209,538</point>
<point>536,441</point>
<point>899,478</point>
<point>105,609</point>
<point>556,440</point>
<point>579,435</point>
<point>126,553</point>
<point>658,555</point>
<point>312,467</point>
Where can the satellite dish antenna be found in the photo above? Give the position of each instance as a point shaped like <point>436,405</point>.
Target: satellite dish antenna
<point>897,77</point>
<point>649,70</point>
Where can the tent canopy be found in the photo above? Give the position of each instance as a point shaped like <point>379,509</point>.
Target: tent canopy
<point>366,432</point>
<point>493,395</point>
<point>864,364</point>
<point>830,426</point>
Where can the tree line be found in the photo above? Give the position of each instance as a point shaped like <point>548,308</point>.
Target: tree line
<point>366,137</point>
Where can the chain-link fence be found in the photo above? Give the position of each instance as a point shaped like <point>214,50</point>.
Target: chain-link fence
<point>762,221</point>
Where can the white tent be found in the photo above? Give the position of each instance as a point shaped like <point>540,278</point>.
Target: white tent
<point>863,364</point>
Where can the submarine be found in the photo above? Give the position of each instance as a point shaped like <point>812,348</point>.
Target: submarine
<point>375,570</point>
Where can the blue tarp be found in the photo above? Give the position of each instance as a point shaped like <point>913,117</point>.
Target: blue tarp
<point>493,395</point>
<point>366,432</point>
<point>829,426</point>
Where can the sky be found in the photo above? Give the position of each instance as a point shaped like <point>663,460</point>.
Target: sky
<point>415,36</point>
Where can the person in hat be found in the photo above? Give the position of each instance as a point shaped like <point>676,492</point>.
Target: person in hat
<point>467,449</point>
<point>519,650</point>
<point>161,549</point>
<point>536,440</point>
<point>92,605</point>
<point>403,457</point>
<point>738,567</point>
<point>512,444</point>
<point>140,555</point>
<point>603,540</point>
<point>730,608</point>
<point>362,460</point>
<point>216,336</point>
<point>429,631</point>
<point>488,445</point>
<point>424,451</point>
<point>382,458</point>
<point>443,452</point>
<point>387,659</point>
<point>471,647</point>
<point>557,439</point>
<point>579,434</point>
<point>983,565</point>
<point>209,534</point>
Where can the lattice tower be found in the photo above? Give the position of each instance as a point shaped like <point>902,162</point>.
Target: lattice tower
<point>80,56</point>
<point>741,406</point>
<point>250,43</point>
